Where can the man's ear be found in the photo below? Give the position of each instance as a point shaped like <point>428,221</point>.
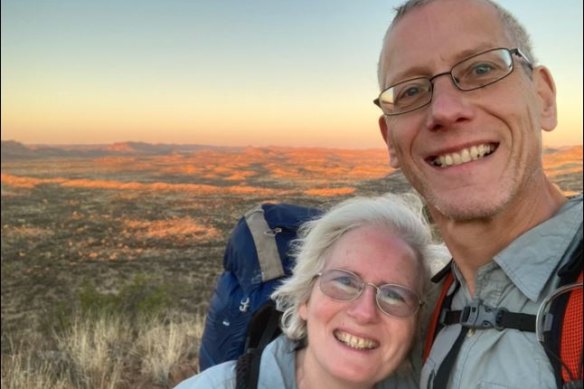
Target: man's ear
<point>546,90</point>
<point>393,160</point>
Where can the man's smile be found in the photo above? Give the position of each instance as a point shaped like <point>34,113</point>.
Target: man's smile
<point>464,155</point>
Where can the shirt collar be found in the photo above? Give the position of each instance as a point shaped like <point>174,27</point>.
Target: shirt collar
<point>533,257</point>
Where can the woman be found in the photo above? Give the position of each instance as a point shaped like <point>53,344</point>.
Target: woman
<point>351,307</point>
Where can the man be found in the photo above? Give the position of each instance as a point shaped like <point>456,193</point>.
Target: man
<point>464,104</point>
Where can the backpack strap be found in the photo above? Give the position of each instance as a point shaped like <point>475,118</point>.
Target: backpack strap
<point>263,328</point>
<point>479,316</point>
<point>264,239</point>
<point>563,339</point>
<point>437,322</point>
<point>436,313</point>
<point>247,369</point>
<point>571,346</point>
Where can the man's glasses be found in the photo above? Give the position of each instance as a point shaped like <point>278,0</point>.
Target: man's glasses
<point>393,300</point>
<point>475,72</point>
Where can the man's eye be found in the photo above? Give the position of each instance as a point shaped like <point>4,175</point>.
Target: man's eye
<point>482,69</point>
<point>409,93</point>
<point>412,91</point>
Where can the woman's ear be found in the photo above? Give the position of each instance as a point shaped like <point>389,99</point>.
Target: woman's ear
<point>546,91</point>
<point>303,311</point>
<point>393,160</point>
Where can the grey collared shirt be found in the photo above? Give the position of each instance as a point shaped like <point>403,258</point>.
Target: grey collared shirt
<point>518,278</point>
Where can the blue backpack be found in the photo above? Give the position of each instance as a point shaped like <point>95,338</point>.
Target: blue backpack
<point>256,260</point>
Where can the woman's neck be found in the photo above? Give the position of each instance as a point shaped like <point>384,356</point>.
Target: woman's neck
<point>309,375</point>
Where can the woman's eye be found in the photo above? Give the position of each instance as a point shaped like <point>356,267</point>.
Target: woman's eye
<point>347,283</point>
<point>344,280</point>
<point>391,296</point>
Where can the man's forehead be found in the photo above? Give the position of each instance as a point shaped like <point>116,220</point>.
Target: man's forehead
<point>442,31</point>
<point>445,18</point>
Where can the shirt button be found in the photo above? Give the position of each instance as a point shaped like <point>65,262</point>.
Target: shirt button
<point>470,332</point>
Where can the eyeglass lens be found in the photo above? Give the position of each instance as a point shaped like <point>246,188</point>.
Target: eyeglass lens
<point>392,299</point>
<point>472,73</point>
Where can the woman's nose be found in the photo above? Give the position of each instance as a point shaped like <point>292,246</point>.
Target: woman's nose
<point>364,308</point>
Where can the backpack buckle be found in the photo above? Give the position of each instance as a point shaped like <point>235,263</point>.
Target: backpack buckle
<point>477,315</point>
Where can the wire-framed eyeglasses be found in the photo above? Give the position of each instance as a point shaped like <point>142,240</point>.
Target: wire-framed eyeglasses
<point>472,73</point>
<point>391,299</point>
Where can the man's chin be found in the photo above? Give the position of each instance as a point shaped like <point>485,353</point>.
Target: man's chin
<point>466,208</point>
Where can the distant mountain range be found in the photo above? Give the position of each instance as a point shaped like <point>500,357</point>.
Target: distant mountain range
<point>12,150</point>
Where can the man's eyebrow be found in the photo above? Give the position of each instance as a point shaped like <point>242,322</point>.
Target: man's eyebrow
<point>422,70</point>
<point>408,74</point>
<point>464,54</point>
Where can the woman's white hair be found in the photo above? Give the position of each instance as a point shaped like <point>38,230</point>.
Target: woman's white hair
<point>401,214</point>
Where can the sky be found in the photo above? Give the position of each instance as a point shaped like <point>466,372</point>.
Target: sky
<point>228,72</point>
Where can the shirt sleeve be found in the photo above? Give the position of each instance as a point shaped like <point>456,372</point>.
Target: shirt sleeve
<point>221,376</point>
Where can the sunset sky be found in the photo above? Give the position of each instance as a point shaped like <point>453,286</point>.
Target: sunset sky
<point>226,72</point>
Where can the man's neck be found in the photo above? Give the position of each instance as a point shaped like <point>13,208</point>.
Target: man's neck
<point>474,243</point>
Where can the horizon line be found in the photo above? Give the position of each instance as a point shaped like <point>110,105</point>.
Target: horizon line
<point>73,144</point>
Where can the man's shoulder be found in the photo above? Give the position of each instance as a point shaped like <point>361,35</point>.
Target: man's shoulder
<point>575,199</point>
<point>570,215</point>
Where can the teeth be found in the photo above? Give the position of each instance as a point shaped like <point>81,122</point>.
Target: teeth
<point>355,341</point>
<point>474,152</point>
<point>465,155</point>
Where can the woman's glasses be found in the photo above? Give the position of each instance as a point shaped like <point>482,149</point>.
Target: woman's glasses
<point>393,300</point>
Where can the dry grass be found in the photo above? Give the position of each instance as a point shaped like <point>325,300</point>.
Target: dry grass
<point>162,347</point>
<point>108,353</point>
<point>94,351</point>
<point>21,370</point>
<point>183,228</point>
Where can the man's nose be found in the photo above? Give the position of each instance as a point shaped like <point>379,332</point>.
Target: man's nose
<point>448,105</point>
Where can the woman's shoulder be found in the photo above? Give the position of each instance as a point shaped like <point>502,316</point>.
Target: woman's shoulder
<point>277,365</point>
<point>220,376</point>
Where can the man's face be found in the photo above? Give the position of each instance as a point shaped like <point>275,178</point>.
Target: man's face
<point>498,126</point>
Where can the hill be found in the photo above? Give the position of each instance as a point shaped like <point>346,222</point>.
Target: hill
<point>12,150</point>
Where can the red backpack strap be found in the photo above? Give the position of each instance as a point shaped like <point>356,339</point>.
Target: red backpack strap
<point>571,352</point>
<point>562,326</point>
<point>435,318</point>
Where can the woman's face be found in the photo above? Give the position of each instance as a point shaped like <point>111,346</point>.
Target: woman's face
<point>353,341</point>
